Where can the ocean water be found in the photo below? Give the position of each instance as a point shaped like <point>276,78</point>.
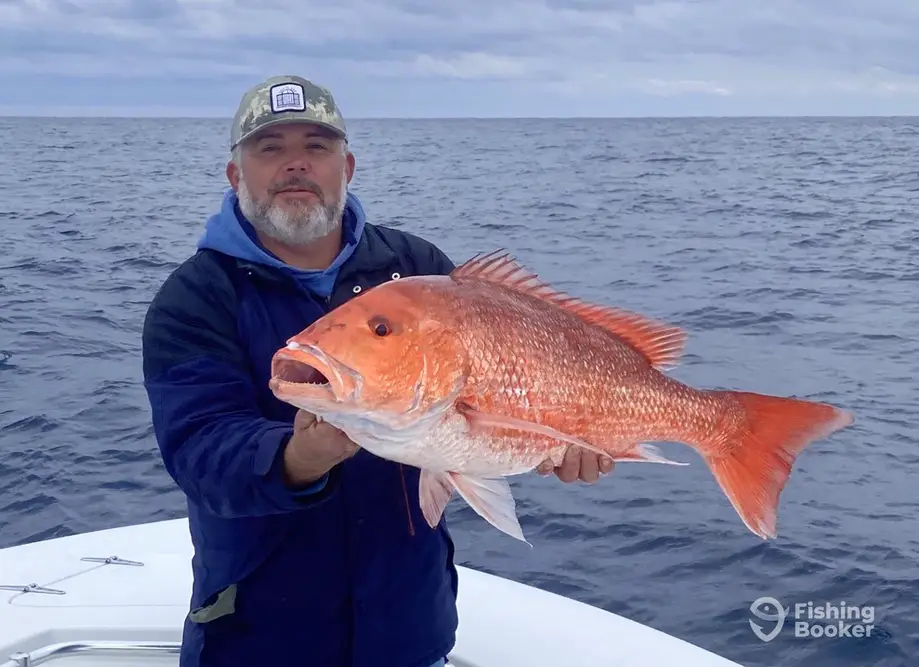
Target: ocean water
<point>786,248</point>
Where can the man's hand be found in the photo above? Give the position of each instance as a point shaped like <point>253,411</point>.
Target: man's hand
<point>578,463</point>
<point>314,448</point>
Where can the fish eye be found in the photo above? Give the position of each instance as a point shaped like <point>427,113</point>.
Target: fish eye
<point>380,326</point>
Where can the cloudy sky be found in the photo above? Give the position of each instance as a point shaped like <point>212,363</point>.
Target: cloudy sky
<point>411,58</point>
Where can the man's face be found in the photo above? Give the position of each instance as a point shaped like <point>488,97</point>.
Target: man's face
<point>292,181</point>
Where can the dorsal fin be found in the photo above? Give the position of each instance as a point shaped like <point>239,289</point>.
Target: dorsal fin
<point>661,343</point>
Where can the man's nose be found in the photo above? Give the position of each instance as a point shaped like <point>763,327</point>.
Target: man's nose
<point>299,162</point>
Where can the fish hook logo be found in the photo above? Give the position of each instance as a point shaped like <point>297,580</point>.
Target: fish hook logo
<point>760,609</point>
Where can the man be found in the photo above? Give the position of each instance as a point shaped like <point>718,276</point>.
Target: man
<point>308,550</point>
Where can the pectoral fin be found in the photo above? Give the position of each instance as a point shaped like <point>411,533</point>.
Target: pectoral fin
<point>646,453</point>
<point>492,500</point>
<point>482,421</point>
<point>434,492</point>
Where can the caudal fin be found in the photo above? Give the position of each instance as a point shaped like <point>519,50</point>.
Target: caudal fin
<point>753,463</point>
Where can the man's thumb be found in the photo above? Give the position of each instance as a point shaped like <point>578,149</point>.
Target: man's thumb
<point>304,419</point>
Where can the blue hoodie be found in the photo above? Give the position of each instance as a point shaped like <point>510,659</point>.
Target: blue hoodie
<point>388,582</point>
<point>229,232</point>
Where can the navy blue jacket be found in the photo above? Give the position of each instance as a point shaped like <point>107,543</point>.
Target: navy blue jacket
<point>346,573</point>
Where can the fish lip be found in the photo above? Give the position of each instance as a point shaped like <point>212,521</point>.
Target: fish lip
<point>334,371</point>
<point>292,369</point>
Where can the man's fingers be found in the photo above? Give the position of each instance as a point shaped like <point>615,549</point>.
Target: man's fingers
<point>590,467</point>
<point>578,463</point>
<point>606,464</point>
<point>571,465</point>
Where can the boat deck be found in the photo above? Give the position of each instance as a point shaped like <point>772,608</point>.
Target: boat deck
<point>119,597</point>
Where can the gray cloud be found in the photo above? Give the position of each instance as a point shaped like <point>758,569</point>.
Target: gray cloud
<point>561,47</point>
<point>842,34</point>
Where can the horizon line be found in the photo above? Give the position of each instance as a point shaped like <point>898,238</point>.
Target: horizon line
<point>71,116</point>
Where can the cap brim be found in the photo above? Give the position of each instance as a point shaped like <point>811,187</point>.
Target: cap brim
<point>289,120</point>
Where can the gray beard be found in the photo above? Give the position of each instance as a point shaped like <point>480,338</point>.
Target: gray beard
<point>300,226</point>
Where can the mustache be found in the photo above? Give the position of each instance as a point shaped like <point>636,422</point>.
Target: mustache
<point>298,182</point>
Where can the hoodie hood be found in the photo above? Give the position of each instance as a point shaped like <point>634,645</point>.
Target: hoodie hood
<point>229,232</point>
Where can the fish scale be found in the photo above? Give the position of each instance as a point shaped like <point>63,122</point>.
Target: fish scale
<point>596,385</point>
<point>487,372</point>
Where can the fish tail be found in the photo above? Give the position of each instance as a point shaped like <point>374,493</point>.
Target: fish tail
<point>752,458</point>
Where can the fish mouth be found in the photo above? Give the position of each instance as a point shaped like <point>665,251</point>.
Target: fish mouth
<point>303,372</point>
<point>287,369</point>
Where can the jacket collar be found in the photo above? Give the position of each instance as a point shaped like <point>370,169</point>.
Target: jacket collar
<point>371,254</point>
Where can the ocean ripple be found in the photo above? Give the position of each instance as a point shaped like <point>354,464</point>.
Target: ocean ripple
<point>786,247</point>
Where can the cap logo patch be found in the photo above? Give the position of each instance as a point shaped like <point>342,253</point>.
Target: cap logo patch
<point>287,97</point>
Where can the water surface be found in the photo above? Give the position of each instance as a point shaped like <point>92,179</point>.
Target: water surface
<point>785,247</point>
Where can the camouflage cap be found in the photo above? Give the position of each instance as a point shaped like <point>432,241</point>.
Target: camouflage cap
<point>285,99</point>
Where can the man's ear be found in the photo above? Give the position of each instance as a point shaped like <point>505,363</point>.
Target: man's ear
<point>350,158</point>
<point>233,174</point>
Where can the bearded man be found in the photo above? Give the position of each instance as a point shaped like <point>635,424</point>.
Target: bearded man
<point>307,549</point>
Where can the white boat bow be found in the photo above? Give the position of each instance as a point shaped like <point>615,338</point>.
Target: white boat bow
<point>119,597</point>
